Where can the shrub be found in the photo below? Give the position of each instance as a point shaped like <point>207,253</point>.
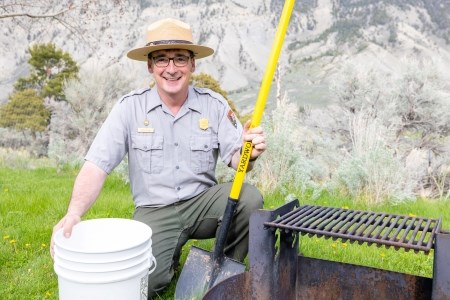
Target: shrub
<point>372,171</point>
<point>383,120</point>
<point>285,166</point>
<point>89,100</point>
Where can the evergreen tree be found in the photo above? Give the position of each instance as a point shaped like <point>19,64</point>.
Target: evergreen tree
<point>50,68</point>
<point>25,110</point>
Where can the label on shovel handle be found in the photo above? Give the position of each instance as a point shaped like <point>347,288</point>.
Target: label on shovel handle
<point>241,170</point>
<point>245,157</point>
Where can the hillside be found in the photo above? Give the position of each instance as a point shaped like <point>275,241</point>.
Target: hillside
<point>323,36</point>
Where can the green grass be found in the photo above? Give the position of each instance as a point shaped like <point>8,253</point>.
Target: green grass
<point>32,201</point>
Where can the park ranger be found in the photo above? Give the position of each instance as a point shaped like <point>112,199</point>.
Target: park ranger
<point>173,135</point>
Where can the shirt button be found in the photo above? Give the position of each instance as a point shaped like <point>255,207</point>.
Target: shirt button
<point>178,188</point>
<point>176,144</point>
<point>205,146</point>
<point>177,167</point>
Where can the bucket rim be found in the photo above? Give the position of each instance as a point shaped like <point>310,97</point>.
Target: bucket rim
<point>59,236</point>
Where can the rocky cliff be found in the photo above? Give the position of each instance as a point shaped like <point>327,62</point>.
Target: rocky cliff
<point>323,35</point>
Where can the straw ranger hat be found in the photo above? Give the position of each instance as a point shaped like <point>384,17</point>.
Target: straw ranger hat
<point>169,34</point>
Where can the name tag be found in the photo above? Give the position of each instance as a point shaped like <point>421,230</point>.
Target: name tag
<point>146,130</point>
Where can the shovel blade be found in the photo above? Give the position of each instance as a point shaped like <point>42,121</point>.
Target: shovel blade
<point>200,272</point>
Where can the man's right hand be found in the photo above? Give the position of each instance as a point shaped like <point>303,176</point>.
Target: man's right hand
<point>67,224</point>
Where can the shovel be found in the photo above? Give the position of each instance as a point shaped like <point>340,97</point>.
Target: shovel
<point>203,269</point>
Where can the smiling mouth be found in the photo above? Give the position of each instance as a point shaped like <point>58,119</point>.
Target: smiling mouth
<point>172,78</point>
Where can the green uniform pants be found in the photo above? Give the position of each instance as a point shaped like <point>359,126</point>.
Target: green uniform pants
<point>197,218</point>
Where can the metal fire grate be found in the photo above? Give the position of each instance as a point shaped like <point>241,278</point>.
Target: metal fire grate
<point>408,232</point>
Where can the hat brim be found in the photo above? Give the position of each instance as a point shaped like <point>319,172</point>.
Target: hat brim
<point>142,53</point>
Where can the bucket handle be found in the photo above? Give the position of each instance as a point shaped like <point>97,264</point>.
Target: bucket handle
<point>153,264</point>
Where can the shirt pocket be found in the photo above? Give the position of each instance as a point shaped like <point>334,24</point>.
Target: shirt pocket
<point>149,152</point>
<point>204,151</point>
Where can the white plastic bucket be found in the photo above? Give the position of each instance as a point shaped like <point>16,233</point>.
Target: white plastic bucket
<point>104,259</point>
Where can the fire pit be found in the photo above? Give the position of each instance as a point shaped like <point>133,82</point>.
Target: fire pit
<point>282,273</point>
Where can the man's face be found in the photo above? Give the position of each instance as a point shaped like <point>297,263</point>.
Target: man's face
<point>171,80</point>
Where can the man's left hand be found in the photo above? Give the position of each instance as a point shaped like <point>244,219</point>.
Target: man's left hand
<point>257,137</point>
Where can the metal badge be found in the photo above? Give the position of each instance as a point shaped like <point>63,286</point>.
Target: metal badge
<point>203,123</point>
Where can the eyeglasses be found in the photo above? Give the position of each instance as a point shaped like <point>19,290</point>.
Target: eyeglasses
<point>163,61</point>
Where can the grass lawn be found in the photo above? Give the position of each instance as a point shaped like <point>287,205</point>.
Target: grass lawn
<point>32,201</point>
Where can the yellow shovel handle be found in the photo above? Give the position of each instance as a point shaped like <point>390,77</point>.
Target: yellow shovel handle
<point>262,96</point>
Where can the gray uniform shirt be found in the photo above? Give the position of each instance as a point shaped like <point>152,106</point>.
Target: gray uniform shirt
<point>170,158</point>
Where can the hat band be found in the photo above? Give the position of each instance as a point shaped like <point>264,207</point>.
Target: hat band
<point>168,42</point>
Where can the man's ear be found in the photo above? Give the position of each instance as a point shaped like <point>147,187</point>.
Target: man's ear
<point>192,65</point>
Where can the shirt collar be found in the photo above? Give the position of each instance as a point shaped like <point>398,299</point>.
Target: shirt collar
<point>191,102</point>
<point>153,101</point>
